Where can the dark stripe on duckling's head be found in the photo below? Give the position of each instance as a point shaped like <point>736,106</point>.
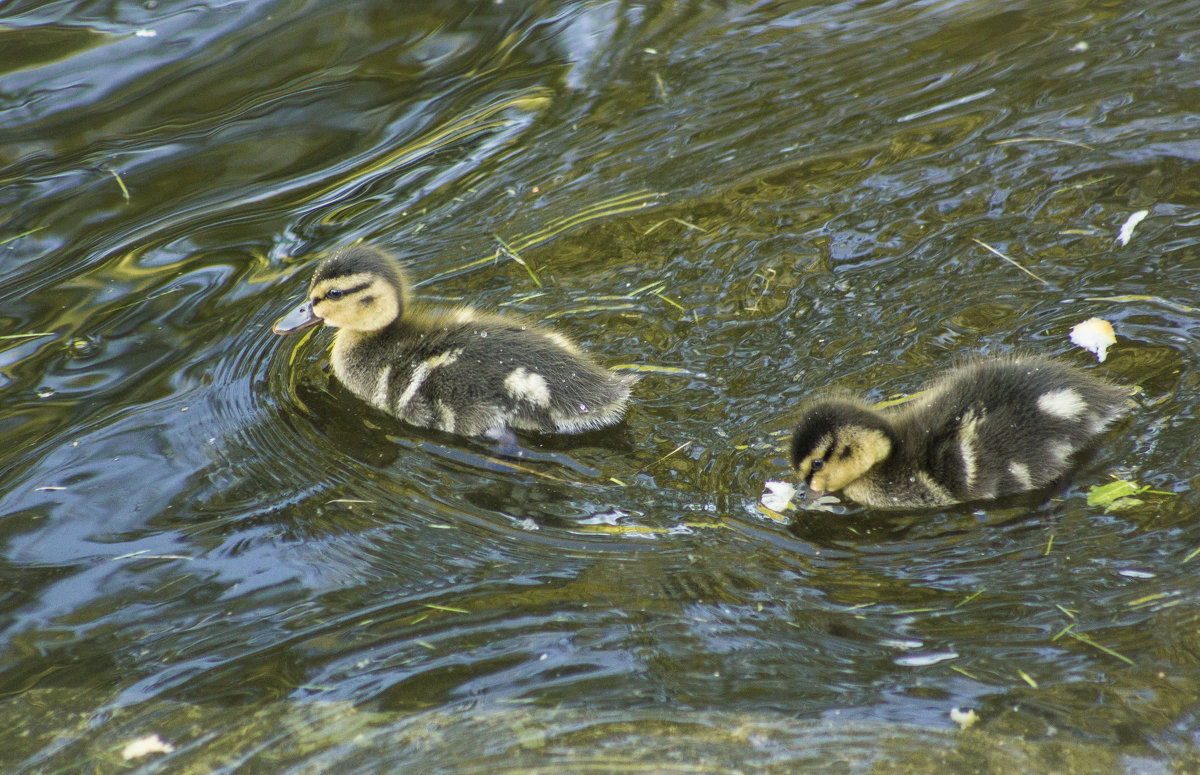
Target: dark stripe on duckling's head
<point>366,276</point>
<point>334,294</point>
<point>360,288</point>
<point>359,259</point>
<point>836,442</point>
<point>822,419</point>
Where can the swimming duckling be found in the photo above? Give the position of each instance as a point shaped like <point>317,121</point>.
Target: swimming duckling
<point>457,370</point>
<point>986,429</point>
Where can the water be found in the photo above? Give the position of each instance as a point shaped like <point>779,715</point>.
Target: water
<point>206,539</point>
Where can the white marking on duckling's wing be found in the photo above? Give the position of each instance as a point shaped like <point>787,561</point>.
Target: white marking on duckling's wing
<point>936,494</point>
<point>527,385</point>
<point>486,421</point>
<point>446,418</point>
<point>444,359</point>
<point>1102,420</point>
<point>587,418</point>
<point>1059,451</point>
<point>967,436</point>
<point>1020,472</point>
<point>561,341</point>
<point>419,375</point>
<point>1065,403</point>
<point>382,385</point>
<point>414,384</point>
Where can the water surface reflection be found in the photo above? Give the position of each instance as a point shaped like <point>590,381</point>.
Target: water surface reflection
<point>205,538</point>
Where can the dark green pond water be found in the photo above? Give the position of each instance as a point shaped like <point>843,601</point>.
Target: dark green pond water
<point>204,538</point>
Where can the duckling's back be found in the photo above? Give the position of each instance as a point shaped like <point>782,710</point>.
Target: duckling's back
<point>996,427</point>
<point>475,374</point>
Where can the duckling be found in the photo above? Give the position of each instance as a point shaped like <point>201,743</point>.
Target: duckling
<point>457,370</point>
<point>990,428</point>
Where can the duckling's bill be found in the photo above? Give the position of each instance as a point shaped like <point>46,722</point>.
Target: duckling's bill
<point>300,318</point>
<point>808,499</point>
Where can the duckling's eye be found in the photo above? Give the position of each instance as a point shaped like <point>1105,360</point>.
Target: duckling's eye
<point>817,465</point>
<point>333,294</point>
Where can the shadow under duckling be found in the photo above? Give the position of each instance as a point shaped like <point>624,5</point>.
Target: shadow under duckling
<point>984,430</point>
<point>457,370</point>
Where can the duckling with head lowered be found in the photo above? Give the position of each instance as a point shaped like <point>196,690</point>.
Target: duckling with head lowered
<point>984,430</point>
<point>457,370</point>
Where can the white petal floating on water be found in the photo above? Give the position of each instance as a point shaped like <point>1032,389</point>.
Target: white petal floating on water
<point>144,746</point>
<point>1127,228</point>
<point>923,660</point>
<point>964,718</point>
<point>777,496</point>
<point>1095,335</point>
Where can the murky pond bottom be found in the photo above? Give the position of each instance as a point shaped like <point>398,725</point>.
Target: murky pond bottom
<point>340,737</point>
<point>211,550</point>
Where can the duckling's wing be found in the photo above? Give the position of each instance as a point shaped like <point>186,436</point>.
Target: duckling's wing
<point>507,374</point>
<point>951,452</point>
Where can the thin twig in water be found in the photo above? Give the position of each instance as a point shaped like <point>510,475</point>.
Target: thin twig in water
<point>1009,260</point>
<point>658,284</point>
<point>767,277</point>
<point>121,183</point>
<point>650,368</point>
<point>525,470</point>
<point>970,597</point>
<point>682,446</point>
<point>1095,645</point>
<point>1151,299</point>
<point>1042,140</point>
<point>607,208</point>
<point>19,236</point>
<point>515,256</point>
<point>674,304</point>
<point>592,308</point>
<point>674,220</point>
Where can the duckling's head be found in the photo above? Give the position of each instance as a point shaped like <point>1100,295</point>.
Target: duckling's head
<point>360,288</point>
<point>837,442</point>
